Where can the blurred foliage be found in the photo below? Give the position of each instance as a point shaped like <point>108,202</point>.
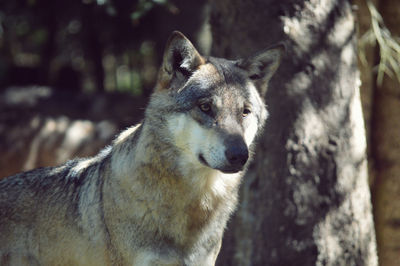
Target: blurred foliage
<point>389,46</point>
<point>145,6</point>
<point>91,45</point>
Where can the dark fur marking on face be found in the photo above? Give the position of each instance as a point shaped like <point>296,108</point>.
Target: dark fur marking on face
<point>229,71</point>
<point>189,97</point>
<point>255,76</point>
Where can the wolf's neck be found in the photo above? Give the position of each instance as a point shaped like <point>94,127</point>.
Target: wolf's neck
<point>148,185</point>
<point>141,153</point>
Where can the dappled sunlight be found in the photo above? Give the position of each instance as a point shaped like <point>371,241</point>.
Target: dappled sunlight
<point>61,139</point>
<point>358,143</point>
<point>27,96</point>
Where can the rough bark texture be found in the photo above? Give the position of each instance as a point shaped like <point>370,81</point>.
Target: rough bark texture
<point>305,200</point>
<point>386,151</point>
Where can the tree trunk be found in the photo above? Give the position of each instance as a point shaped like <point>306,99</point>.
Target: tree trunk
<point>366,63</point>
<point>93,45</point>
<point>386,151</point>
<point>305,199</point>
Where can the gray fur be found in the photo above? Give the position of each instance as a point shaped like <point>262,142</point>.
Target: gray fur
<point>161,194</point>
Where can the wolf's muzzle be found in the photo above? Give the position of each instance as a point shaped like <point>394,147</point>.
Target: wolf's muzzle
<point>236,154</point>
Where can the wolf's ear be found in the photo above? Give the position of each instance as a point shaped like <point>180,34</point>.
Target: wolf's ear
<point>180,60</point>
<point>261,66</point>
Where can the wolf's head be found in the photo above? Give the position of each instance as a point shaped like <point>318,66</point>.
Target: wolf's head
<point>211,106</point>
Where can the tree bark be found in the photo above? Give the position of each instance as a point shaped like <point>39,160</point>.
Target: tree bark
<point>366,63</point>
<point>386,151</point>
<point>305,199</point>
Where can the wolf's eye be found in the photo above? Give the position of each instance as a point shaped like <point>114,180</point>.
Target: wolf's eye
<point>246,112</point>
<point>205,107</point>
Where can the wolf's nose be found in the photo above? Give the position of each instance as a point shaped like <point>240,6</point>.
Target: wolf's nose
<point>237,154</point>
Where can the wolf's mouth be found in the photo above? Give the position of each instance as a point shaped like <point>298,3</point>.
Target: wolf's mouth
<point>202,160</point>
<point>226,170</point>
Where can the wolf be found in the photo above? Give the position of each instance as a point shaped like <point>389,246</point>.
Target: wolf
<point>162,193</point>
